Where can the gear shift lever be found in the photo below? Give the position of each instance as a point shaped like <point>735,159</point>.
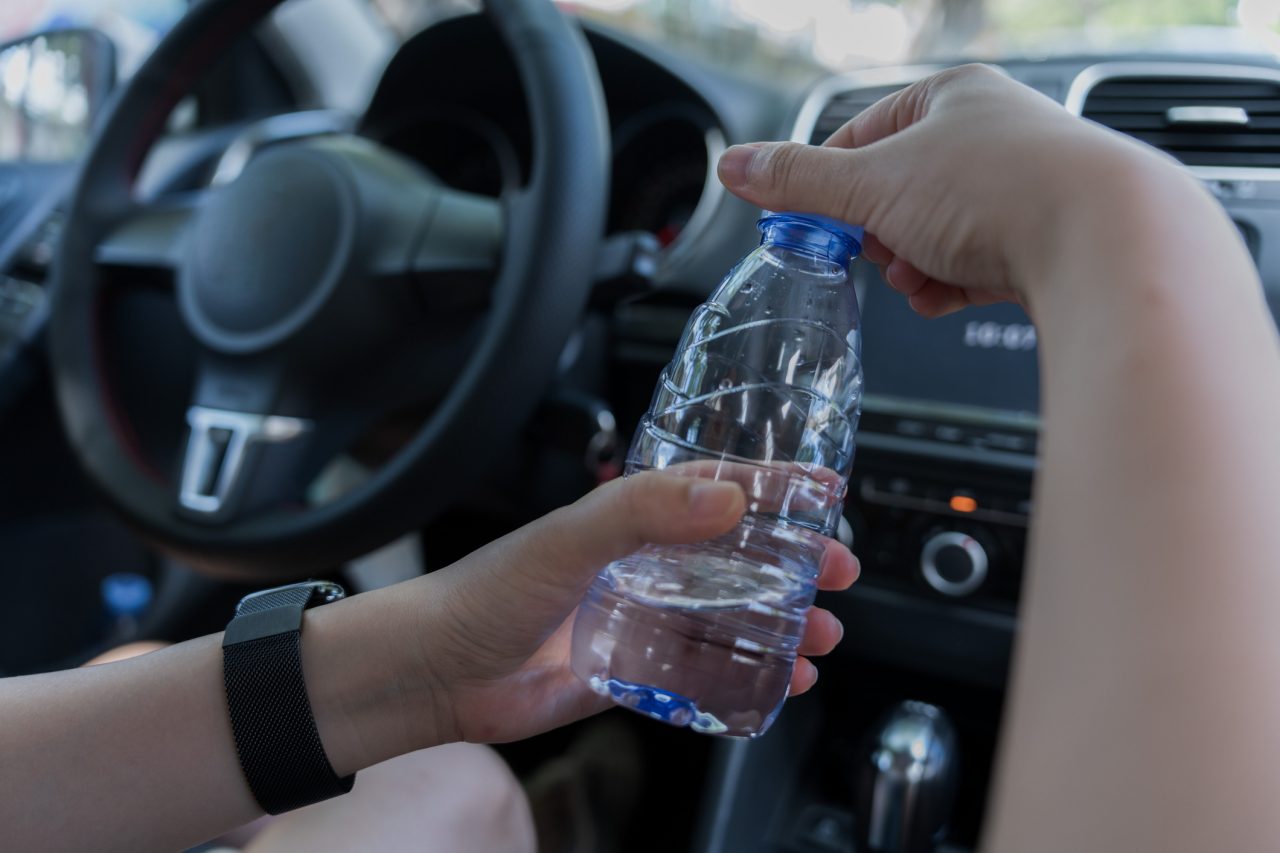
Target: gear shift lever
<point>906,781</point>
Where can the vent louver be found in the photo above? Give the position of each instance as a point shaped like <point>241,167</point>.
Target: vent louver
<point>844,106</point>
<point>1202,121</point>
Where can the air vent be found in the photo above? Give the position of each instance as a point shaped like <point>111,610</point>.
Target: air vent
<point>844,106</point>
<point>1202,121</point>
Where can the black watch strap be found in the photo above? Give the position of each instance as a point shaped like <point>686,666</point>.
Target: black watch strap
<point>276,737</point>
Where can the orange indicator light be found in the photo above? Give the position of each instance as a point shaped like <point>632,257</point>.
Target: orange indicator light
<point>963,503</point>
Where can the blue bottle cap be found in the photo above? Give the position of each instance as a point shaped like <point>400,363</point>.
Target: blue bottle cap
<point>126,593</point>
<point>849,235</point>
<point>835,226</point>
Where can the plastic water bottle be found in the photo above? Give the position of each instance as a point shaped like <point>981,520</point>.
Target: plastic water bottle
<point>764,390</point>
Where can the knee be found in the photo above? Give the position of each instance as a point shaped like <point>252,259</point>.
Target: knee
<point>472,786</point>
<point>484,785</point>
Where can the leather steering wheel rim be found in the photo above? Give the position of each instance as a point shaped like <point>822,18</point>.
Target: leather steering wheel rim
<point>551,226</point>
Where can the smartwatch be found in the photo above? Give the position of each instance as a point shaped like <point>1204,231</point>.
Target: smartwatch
<point>275,733</point>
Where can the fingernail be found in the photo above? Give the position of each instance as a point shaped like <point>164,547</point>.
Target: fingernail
<point>735,163</point>
<point>711,498</point>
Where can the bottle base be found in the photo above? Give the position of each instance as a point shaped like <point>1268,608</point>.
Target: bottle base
<point>670,708</point>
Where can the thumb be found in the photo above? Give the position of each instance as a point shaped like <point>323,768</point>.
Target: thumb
<point>568,547</point>
<point>836,182</point>
<point>528,581</point>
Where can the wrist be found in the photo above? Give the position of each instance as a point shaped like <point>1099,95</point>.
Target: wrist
<point>1116,215</point>
<point>372,696</point>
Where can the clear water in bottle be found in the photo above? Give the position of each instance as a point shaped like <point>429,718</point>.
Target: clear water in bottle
<point>765,390</point>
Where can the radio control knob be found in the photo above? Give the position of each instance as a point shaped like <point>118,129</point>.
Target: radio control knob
<point>953,563</point>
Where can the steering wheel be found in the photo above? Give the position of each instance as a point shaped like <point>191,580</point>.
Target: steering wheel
<point>320,288</point>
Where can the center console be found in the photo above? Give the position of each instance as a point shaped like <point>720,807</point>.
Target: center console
<point>941,493</point>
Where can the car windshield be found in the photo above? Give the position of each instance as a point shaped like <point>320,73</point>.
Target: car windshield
<point>806,38</point>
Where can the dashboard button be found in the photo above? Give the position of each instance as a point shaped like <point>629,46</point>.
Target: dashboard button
<point>953,563</point>
<point>949,434</point>
<point>914,429</point>
<point>1007,441</point>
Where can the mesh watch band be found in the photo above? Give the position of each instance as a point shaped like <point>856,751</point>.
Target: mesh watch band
<point>276,738</point>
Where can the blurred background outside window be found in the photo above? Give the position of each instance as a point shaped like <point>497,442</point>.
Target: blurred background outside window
<point>795,40</point>
<point>800,39</point>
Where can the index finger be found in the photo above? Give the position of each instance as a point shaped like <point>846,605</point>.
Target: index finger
<point>838,568</point>
<point>897,111</point>
<point>777,486</point>
<point>887,116</point>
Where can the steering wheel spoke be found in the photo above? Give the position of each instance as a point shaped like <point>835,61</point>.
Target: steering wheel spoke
<point>221,453</point>
<point>234,429</point>
<point>463,240</point>
<point>150,235</point>
<point>259,435</point>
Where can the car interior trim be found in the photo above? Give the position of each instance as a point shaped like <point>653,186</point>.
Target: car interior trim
<point>925,447</point>
<point>704,212</point>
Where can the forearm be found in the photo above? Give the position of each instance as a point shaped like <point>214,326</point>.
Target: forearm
<point>138,755</point>
<point>1145,681</point>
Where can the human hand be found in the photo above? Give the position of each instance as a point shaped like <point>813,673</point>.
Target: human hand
<point>969,184</point>
<point>495,642</point>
